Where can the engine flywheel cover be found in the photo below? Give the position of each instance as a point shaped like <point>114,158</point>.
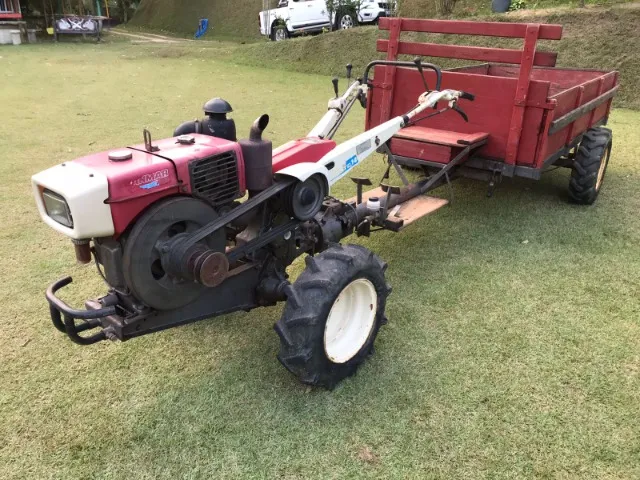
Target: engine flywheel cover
<point>305,198</point>
<point>142,259</point>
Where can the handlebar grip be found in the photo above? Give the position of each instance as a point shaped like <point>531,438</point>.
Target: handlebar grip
<point>467,96</point>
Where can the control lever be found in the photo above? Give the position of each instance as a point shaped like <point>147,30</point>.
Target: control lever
<point>467,96</point>
<point>335,81</point>
<point>418,62</point>
<point>349,68</point>
<point>456,108</point>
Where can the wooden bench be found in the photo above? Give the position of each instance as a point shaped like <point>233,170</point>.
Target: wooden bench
<point>433,144</point>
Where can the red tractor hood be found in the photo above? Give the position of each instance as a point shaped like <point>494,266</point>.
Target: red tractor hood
<point>137,182</point>
<point>149,173</point>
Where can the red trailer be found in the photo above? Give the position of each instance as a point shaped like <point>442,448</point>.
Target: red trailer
<point>527,115</point>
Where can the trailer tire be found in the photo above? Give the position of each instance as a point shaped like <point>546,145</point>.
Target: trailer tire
<point>590,165</point>
<point>323,341</point>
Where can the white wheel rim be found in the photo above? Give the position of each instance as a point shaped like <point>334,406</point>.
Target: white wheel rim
<point>602,169</point>
<point>350,320</point>
<point>346,22</point>
<point>280,34</point>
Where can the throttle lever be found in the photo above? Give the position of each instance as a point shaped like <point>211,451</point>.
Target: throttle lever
<point>335,81</point>
<point>460,112</point>
<point>418,62</point>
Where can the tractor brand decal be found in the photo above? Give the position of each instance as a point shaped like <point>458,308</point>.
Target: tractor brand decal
<point>149,186</point>
<point>351,162</point>
<point>150,180</point>
<point>363,147</point>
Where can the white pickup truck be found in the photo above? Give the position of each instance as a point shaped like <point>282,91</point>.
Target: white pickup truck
<point>294,17</point>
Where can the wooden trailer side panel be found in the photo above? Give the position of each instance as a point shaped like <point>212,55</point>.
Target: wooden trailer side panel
<point>482,54</point>
<point>527,114</point>
<point>571,99</point>
<point>533,114</point>
<point>490,112</point>
<point>466,27</point>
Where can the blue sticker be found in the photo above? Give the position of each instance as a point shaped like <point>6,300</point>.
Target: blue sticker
<point>149,186</point>
<point>352,162</point>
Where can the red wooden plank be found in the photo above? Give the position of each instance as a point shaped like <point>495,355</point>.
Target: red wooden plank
<point>487,29</point>
<point>501,55</point>
<point>610,102</point>
<point>441,137</point>
<point>543,138</point>
<point>390,73</point>
<point>482,69</point>
<point>609,82</point>
<point>582,123</point>
<point>563,78</point>
<point>532,125</point>
<point>564,101</point>
<point>600,92</point>
<point>493,94</point>
<point>579,97</point>
<point>522,90</point>
<point>420,150</point>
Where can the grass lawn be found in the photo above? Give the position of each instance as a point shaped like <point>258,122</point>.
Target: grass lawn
<point>512,350</point>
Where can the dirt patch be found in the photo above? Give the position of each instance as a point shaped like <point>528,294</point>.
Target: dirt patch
<point>149,37</point>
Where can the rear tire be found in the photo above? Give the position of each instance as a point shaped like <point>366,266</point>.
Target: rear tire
<point>333,314</point>
<point>346,20</point>
<point>279,33</point>
<point>590,165</point>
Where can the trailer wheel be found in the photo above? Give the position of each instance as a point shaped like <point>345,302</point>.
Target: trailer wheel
<point>590,165</point>
<point>333,313</point>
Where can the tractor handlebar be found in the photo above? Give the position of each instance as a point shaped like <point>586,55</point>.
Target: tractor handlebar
<point>467,96</point>
<point>415,64</point>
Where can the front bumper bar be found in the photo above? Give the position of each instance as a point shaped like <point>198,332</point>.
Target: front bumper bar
<point>64,317</point>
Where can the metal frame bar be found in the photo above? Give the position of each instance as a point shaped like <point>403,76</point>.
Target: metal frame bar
<point>480,163</point>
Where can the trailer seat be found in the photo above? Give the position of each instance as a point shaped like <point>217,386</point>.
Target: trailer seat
<point>432,144</point>
<point>440,137</point>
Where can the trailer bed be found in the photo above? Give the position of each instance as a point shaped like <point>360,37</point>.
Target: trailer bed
<point>531,112</point>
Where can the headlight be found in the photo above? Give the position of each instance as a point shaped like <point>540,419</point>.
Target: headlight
<point>57,208</point>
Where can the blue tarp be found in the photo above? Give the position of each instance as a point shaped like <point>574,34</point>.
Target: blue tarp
<point>202,27</point>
